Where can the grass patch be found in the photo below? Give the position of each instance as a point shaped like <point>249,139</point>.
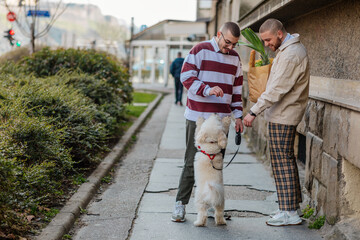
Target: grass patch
<point>141,97</point>
<point>135,111</point>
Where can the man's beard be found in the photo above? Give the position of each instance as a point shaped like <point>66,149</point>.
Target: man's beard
<point>278,43</point>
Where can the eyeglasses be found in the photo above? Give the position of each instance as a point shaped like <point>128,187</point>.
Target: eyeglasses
<point>228,42</point>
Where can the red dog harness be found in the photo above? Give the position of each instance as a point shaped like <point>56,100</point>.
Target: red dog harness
<point>211,156</point>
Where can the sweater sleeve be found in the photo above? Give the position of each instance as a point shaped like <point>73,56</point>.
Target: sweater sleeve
<point>189,75</point>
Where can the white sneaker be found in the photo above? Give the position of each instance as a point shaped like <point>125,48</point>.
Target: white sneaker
<point>277,211</point>
<point>179,212</point>
<point>274,213</point>
<point>284,218</point>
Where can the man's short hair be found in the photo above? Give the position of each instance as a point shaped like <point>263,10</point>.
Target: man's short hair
<point>273,25</point>
<point>232,27</point>
<point>179,54</point>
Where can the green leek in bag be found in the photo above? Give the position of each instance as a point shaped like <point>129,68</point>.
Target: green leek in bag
<point>259,71</point>
<point>256,44</point>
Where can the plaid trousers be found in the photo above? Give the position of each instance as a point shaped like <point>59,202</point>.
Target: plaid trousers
<point>284,166</point>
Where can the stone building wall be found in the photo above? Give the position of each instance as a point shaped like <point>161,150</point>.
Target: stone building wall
<point>332,174</point>
<point>330,128</point>
<point>331,123</point>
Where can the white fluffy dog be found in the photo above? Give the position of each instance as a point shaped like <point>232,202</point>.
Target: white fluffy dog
<point>210,138</point>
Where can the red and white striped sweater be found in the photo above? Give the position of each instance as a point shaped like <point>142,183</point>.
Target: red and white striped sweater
<point>205,67</point>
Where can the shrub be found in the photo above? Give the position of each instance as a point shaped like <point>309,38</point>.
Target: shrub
<point>58,110</point>
<point>103,66</point>
<point>110,103</point>
<point>15,55</point>
<point>35,149</point>
<point>47,130</point>
<point>68,111</point>
<point>33,164</point>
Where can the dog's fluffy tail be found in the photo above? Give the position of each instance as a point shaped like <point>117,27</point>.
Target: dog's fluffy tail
<point>215,193</point>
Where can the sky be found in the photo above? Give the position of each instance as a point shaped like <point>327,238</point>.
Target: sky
<point>145,12</point>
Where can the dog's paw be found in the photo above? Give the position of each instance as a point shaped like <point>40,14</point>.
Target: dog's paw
<point>220,221</point>
<point>199,224</point>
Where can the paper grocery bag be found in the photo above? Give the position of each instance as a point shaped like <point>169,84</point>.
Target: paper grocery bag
<point>257,78</point>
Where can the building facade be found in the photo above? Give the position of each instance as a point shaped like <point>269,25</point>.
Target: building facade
<point>328,138</point>
<point>153,49</point>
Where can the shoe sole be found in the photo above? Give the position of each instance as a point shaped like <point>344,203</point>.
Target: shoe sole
<point>282,225</point>
<point>177,220</point>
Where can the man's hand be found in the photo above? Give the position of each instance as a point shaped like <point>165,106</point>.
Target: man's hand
<point>248,120</point>
<point>217,91</point>
<point>239,125</point>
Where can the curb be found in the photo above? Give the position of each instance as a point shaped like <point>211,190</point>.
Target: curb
<point>65,219</point>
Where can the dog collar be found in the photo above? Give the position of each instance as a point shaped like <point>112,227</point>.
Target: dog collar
<point>211,156</point>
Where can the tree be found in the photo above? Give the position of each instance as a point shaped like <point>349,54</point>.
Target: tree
<point>111,34</point>
<point>32,21</point>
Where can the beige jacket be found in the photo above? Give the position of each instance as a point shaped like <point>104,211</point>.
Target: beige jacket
<point>287,89</point>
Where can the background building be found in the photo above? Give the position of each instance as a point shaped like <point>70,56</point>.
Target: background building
<point>328,137</point>
<point>153,49</point>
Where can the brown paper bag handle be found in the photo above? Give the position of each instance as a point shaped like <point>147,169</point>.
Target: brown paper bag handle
<point>252,59</point>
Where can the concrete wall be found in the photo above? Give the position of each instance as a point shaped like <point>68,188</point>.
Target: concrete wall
<point>331,37</point>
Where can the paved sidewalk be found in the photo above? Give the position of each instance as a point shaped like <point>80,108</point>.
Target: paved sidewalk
<point>250,195</point>
<point>139,203</point>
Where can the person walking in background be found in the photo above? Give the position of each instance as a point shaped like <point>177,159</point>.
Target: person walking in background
<point>212,74</point>
<point>284,102</point>
<point>175,70</point>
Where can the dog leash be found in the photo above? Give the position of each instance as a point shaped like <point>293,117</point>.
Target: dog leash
<point>237,142</point>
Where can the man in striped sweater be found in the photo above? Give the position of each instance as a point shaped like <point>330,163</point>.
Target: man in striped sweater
<point>212,75</point>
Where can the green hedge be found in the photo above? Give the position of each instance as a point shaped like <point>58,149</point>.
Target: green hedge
<point>101,65</point>
<point>58,111</point>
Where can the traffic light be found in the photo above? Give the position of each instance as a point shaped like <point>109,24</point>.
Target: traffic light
<point>10,36</point>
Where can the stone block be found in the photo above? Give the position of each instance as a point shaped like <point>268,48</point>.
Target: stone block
<point>324,168</point>
<point>332,201</point>
<point>344,131</point>
<point>314,191</point>
<point>316,116</point>
<point>303,126</point>
<point>353,146</point>
<point>351,189</point>
<point>318,195</point>
<point>331,129</point>
<point>316,156</point>
<point>312,117</point>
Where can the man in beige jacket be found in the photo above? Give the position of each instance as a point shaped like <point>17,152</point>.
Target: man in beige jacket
<point>284,102</point>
